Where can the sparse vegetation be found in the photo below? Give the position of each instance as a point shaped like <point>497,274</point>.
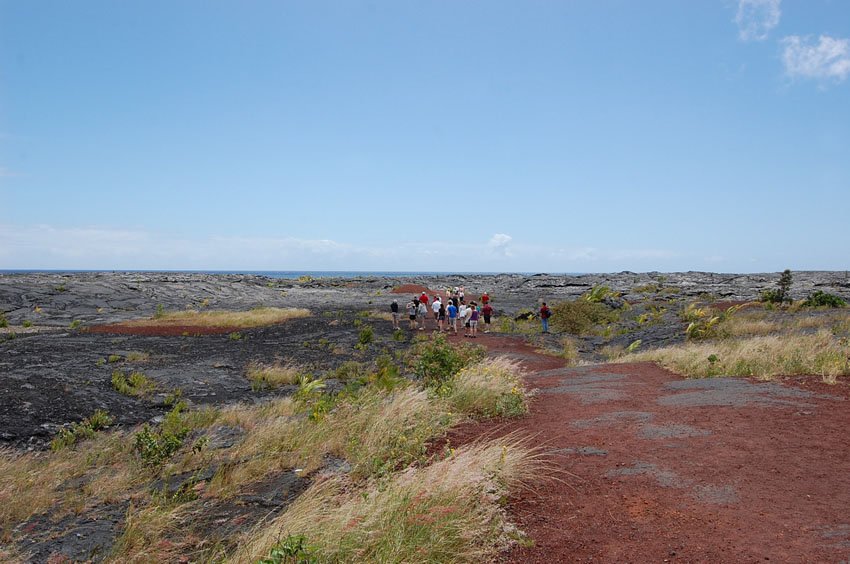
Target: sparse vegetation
<point>380,423</point>
<point>75,324</point>
<point>3,321</point>
<point>257,317</point>
<point>26,323</point>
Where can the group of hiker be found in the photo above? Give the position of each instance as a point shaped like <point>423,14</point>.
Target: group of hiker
<point>452,310</point>
<point>446,313</point>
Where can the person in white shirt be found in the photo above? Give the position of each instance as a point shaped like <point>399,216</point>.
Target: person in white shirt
<point>435,307</point>
<point>422,315</point>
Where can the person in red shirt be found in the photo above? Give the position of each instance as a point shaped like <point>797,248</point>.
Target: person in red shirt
<point>545,314</point>
<point>423,298</point>
<point>485,298</point>
<point>486,312</point>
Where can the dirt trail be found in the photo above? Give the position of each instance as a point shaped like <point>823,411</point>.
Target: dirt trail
<point>656,468</point>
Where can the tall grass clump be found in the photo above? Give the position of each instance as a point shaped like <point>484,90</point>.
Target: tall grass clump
<point>272,376</point>
<point>762,357</point>
<point>136,384</point>
<point>490,388</point>
<point>446,512</point>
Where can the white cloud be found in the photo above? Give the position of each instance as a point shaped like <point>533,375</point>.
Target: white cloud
<point>755,18</point>
<point>500,243</point>
<point>829,58</point>
<point>47,246</point>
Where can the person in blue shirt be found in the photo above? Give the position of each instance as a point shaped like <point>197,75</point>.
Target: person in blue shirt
<point>452,311</point>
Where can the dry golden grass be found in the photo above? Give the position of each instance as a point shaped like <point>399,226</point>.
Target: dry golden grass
<point>257,317</point>
<point>764,357</point>
<point>382,315</point>
<point>446,512</point>
<point>489,388</point>
<point>380,433</point>
<point>265,376</point>
<point>32,483</point>
<point>138,356</point>
<point>375,431</point>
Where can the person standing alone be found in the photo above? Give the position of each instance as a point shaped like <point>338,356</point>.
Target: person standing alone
<point>545,314</point>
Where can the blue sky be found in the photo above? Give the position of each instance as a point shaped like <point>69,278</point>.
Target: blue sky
<point>545,136</point>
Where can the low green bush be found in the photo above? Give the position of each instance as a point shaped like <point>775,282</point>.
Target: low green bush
<point>135,385</point>
<point>823,299</point>
<point>581,317</point>
<point>85,429</point>
<point>155,446</point>
<point>291,550</point>
<point>365,337</point>
<point>437,360</point>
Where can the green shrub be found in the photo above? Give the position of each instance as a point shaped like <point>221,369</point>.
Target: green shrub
<point>235,336</point>
<point>75,324</point>
<point>157,446</point>
<point>365,337</point>
<point>291,550</point>
<point>3,321</point>
<point>135,385</point>
<point>27,323</point>
<point>85,429</point>
<point>113,358</point>
<point>436,360</point>
<point>823,299</point>
<point>581,317</point>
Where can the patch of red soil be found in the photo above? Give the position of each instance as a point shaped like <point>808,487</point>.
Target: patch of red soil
<point>160,330</point>
<point>752,482</point>
<point>413,289</point>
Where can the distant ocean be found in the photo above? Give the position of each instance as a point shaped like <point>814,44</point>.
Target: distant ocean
<point>282,273</point>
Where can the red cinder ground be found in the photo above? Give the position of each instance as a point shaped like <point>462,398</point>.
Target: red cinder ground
<point>639,477</point>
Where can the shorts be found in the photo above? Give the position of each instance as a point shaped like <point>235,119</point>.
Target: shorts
<point>442,318</point>
<point>467,324</point>
<point>395,316</point>
<point>487,319</point>
<point>412,317</point>
<point>473,323</point>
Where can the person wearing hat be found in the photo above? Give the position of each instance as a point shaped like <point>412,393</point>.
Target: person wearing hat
<point>394,310</point>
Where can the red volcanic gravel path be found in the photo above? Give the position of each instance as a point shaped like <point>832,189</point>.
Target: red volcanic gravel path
<point>649,467</point>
